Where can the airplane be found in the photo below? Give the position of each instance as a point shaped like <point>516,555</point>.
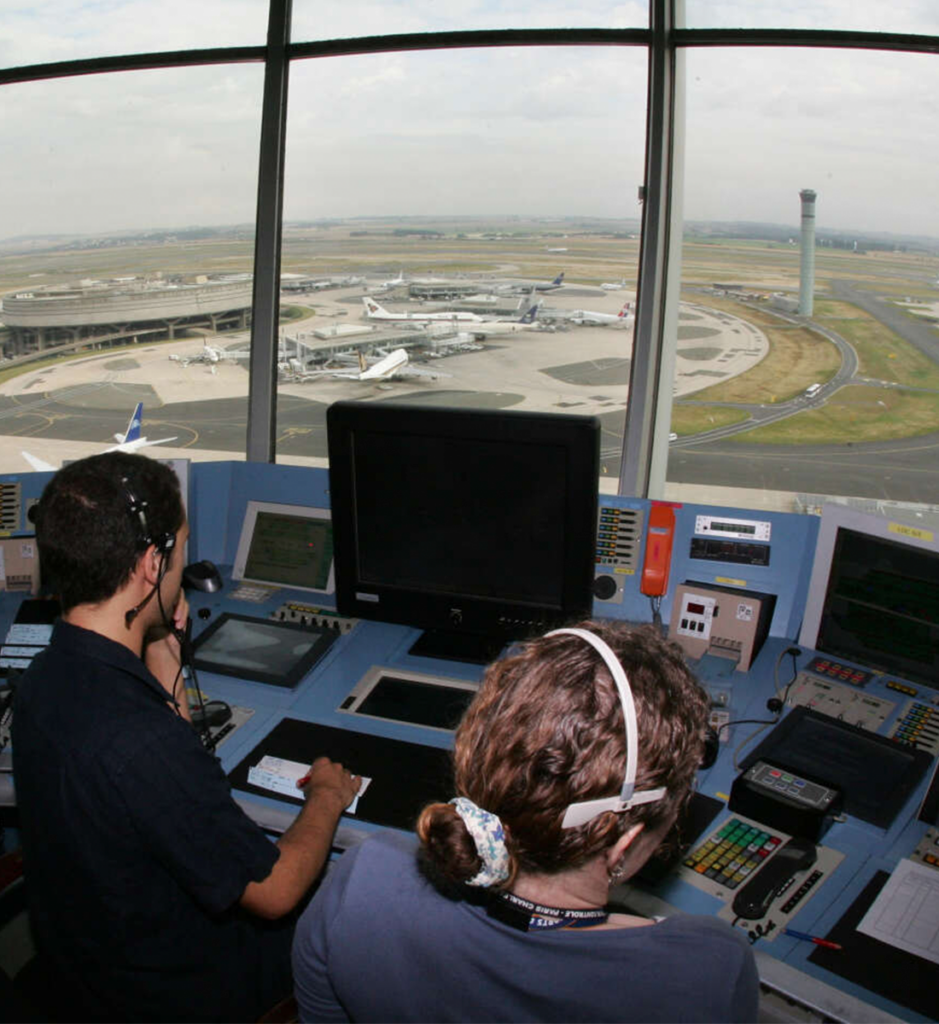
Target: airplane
<point>611,287</point>
<point>129,441</point>
<point>209,354</point>
<point>526,322</point>
<point>585,316</point>
<point>391,364</point>
<point>375,311</point>
<point>395,282</point>
<point>537,286</point>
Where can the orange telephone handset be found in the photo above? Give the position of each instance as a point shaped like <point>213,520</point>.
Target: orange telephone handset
<point>658,560</point>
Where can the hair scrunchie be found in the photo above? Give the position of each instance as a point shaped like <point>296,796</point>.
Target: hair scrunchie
<point>489,837</point>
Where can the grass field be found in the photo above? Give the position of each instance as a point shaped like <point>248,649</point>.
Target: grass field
<point>693,419</point>
<point>797,358</point>
<point>855,414</point>
<point>881,354</point>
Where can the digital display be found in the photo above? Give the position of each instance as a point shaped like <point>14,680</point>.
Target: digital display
<point>882,606</point>
<point>695,608</point>
<point>736,528</point>
<point>277,653</point>
<point>294,551</point>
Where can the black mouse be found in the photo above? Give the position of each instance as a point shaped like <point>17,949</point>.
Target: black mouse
<point>202,576</point>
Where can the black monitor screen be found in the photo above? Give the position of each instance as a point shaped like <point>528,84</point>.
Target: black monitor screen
<point>464,521</point>
<point>881,607</point>
<point>440,519</point>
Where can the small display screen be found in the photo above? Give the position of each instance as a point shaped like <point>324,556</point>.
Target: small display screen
<point>882,606</point>
<point>277,653</point>
<point>695,609</point>
<point>406,700</point>
<point>291,550</point>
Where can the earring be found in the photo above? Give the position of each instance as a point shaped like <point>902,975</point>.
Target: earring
<point>617,874</point>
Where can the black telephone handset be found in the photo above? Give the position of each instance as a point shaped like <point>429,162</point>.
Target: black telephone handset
<point>754,898</point>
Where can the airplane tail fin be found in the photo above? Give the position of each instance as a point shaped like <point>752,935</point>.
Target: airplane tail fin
<point>373,308</point>
<point>38,464</point>
<point>531,313</point>
<point>624,312</point>
<point>559,279</point>
<point>133,427</point>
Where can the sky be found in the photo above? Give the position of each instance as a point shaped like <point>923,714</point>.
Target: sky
<point>537,132</point>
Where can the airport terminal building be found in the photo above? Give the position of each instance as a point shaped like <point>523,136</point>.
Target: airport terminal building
<point>121,310</point>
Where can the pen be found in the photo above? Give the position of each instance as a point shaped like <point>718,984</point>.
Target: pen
<point>302,782</point>
<point>811,938</point>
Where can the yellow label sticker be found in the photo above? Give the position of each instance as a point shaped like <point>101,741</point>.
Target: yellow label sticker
<point>729,581</point>
<point>624,572</point>
<point>910,531</point>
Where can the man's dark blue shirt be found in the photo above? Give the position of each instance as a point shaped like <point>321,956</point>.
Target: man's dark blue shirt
<point>135,852</point>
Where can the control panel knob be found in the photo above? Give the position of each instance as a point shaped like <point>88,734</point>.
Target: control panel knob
<point>604,587</point>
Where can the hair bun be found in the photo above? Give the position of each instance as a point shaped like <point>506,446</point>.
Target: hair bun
<point>449,851</point>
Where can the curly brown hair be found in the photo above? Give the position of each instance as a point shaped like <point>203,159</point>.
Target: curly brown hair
<point>546,730</point>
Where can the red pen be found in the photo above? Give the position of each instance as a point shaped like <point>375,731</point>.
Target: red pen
<point>825,943</point>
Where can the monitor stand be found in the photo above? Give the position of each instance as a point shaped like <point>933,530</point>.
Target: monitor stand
<point>476,648</point>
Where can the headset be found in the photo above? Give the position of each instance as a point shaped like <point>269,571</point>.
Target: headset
<point>586,810</point>
<point>163,543</point>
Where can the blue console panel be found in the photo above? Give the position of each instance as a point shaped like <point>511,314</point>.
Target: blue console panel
<point>766,552</point>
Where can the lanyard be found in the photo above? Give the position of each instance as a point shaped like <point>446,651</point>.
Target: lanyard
<point>527,916</point>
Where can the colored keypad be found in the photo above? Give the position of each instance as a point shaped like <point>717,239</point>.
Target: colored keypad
<point>918,726</point>
<point>732,853</point>
<point>843,673</point>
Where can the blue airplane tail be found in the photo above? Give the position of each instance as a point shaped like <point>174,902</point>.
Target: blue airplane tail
<point>529,317</point>
<point>133,427</point>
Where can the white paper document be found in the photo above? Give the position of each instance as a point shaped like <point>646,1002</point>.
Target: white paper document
<point>281,776</point>
<point>906,913</point>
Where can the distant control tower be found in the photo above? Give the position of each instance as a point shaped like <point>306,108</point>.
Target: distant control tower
<point>807,272</point>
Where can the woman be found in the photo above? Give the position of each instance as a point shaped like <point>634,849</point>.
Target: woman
<point>569,778</point>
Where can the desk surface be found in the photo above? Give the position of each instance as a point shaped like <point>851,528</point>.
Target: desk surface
<point>785,963</point>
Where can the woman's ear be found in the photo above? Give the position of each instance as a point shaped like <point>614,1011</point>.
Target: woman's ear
<point>615,853</point>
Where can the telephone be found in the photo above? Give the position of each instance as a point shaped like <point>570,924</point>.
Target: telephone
<point>658,558</point>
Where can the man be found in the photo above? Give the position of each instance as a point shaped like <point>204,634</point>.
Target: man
<point>152,895</point>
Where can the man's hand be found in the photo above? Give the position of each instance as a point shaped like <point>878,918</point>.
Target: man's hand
<point>329,789</point>
<point>328,780</point>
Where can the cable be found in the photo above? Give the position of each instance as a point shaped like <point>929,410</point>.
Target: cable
<point>775,705</point>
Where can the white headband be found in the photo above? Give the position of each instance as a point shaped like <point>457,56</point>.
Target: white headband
<point>586,810</point>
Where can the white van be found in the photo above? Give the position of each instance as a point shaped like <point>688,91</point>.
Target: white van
<point>812,390</point>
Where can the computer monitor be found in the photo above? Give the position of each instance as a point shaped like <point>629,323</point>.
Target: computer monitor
<point>874,595</point>
<point>286,546</point>
<point>475,525</point>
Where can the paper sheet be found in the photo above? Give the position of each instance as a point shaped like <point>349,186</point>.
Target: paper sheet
<point>906,913</point>
<point>281,776</point>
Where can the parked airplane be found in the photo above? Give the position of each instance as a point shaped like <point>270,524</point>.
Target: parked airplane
<point>375,311</point>
<point>391,364</point>
<point>395,282</point>
<point>585,316</point>
<point>526,322</point>
<point>538,286</point>
<point>611,287</point>
<point>129,441</point>
<point>210,354</point>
